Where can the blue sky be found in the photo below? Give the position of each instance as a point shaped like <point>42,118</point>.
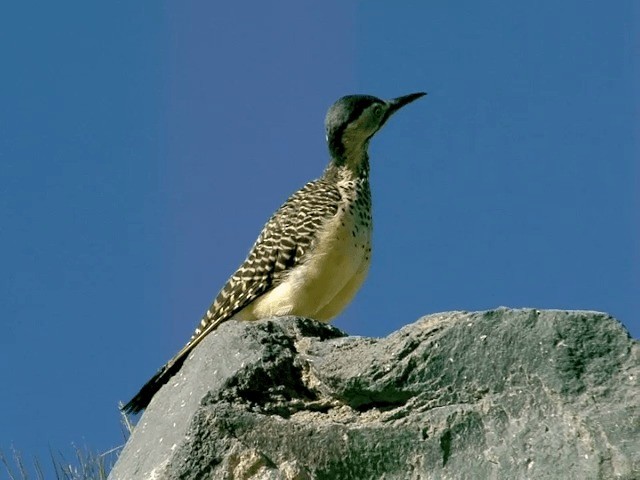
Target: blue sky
<point>143,147</point>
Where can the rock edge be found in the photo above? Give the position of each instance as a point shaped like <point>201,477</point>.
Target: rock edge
<point>497,394</point>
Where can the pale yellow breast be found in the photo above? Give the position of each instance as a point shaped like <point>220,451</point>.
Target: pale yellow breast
<point>328,279</point>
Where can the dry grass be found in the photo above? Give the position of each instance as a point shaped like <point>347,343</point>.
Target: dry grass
<point>86,465</point>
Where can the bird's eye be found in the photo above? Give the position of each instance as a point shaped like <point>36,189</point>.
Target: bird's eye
<point>378,110</point>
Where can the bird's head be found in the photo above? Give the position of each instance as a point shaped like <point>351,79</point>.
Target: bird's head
<point>354,119</point>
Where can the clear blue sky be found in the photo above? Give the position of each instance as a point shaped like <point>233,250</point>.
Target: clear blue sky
<point>144,144</point>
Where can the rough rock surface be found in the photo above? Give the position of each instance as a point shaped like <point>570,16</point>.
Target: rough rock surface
<point>502,394</point>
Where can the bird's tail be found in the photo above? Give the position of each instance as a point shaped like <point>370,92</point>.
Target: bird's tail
<point>143,397</point>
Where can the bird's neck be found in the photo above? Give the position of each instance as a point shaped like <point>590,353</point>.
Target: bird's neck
<point>351,165</point>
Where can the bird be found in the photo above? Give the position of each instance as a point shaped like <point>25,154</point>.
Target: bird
<point>313,254</point>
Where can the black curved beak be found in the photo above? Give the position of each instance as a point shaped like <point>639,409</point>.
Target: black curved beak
<point>397,103</point>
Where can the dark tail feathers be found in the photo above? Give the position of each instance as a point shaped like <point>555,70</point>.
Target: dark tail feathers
<point>143,397</point>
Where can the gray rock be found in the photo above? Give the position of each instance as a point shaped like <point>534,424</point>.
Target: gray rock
<point>503,394</point>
